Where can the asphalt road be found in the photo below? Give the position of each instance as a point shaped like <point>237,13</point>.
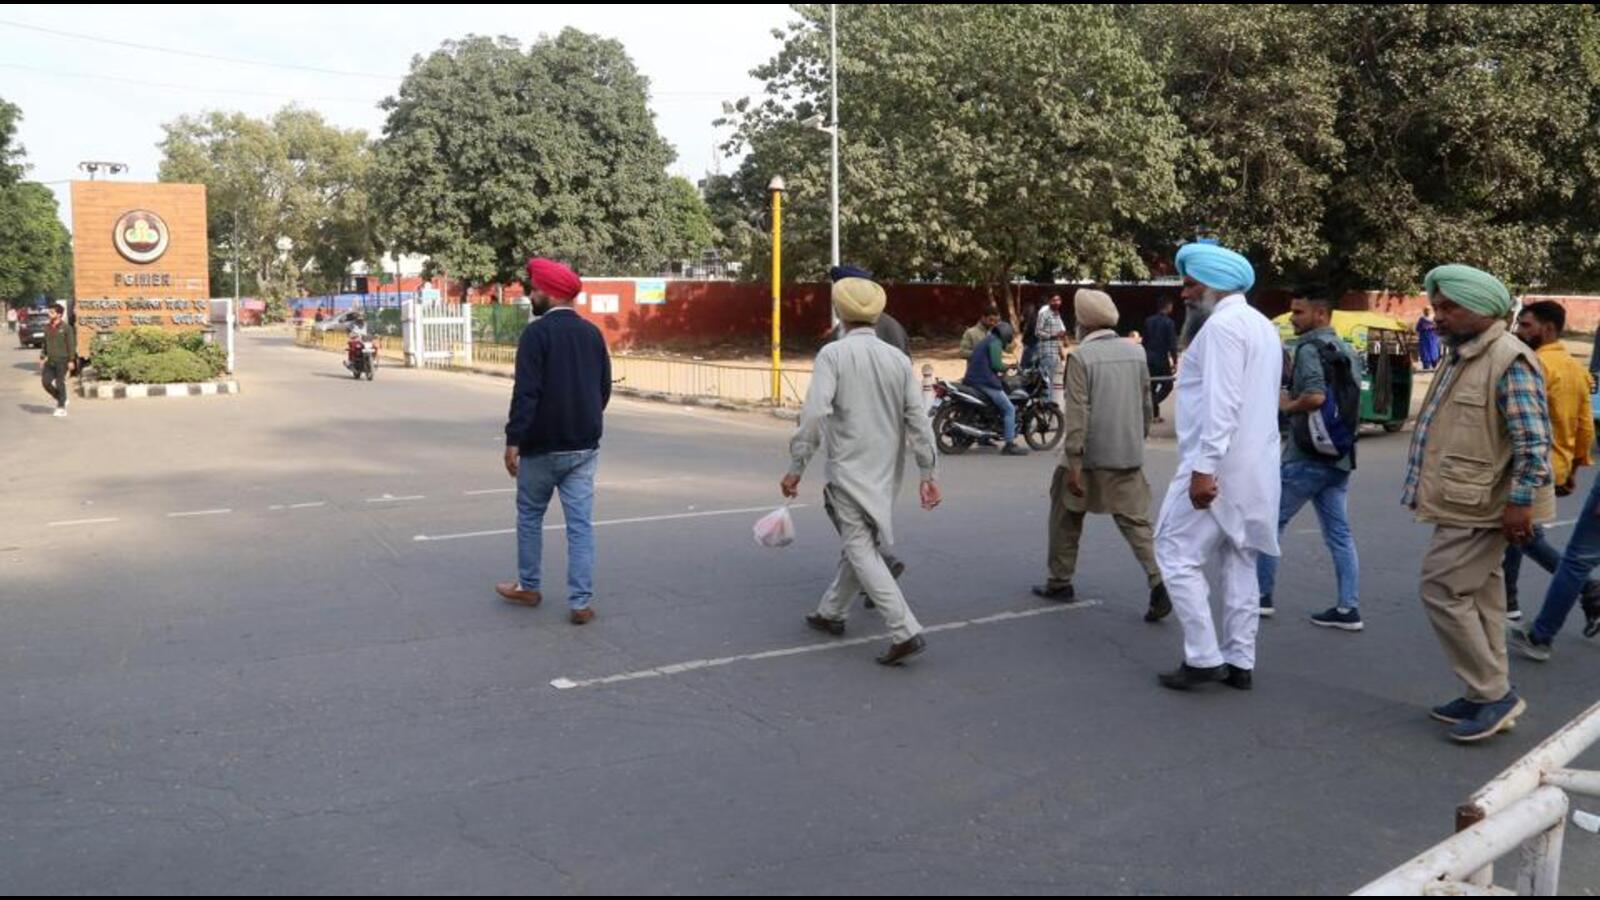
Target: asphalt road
<point>229,665</point>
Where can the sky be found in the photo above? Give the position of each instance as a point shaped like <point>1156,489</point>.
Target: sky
<point>87,94</point>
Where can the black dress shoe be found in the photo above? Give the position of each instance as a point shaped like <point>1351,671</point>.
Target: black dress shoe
<point>1187,677</point>
<point>825,625</point>
<point>1063,594</point>
<point>1160,604</point>
<point>1239,679</point>
<point>899,653</point>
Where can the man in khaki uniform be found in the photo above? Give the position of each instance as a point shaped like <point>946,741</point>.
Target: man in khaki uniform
<point>1480,474</point>
<point>1108,412</point>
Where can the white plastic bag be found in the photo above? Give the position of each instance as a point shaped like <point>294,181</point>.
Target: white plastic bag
<point>776,528</point>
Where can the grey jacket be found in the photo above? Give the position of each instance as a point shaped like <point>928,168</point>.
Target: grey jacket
<point>1108,404</point>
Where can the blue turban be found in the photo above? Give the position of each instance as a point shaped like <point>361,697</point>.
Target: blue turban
<point>840,273</point>
<point>1216,267</point>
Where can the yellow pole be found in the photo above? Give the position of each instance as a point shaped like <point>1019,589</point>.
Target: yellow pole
<point>777,310</point>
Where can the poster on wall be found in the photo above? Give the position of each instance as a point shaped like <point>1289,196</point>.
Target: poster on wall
<point>651,292</point>
<point>605,304</point>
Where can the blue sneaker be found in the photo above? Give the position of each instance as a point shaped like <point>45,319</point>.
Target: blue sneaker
<point>1492,719</point>
<point>1340,618</point>
<point>1456,711</point>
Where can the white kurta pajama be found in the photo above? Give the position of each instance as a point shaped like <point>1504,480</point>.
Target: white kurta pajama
<point>863,404</point>
<point>1227,395</point>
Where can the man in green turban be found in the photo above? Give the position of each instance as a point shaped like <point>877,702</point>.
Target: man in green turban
<point>1480,474</point>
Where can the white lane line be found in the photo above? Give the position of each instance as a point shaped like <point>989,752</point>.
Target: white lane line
<point>390,498</point>
<point>1562,524</point>
<point>510,490</point>
<point>198,512</point>
<point>567,684</point>
<point>634,521</point>
<point>319,503</point>
<point>75,522</point>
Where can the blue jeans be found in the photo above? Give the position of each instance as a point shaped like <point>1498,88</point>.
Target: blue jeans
<point>1539,550</point>
<point>1328,488</point>
<point>1007,411</point>
<point>573,475</point>
<point>1583,554</point>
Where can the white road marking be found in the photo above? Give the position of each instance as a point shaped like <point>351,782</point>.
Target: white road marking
<point>315,505</point>
<point>510,490</point>
<point>640,520</point>
<point>74,522</point>
<point>198,512</point>
<point>567,684</point>
<point>390,498</point>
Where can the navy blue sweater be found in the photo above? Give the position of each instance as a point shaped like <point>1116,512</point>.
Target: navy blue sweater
<point>563,386</point>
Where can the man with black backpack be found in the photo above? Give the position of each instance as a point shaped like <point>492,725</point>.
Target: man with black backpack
<point>1322,404</point>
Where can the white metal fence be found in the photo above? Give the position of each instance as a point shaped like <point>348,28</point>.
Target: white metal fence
<point>1522,811</point>
<point>437,334</point>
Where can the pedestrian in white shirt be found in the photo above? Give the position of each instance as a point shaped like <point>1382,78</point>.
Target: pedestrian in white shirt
<point>1222,506</point>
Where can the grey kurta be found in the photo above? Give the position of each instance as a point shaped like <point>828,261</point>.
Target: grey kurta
<point>863,405</point>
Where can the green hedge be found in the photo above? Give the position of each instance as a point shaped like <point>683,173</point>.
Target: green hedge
<point>155,356</point>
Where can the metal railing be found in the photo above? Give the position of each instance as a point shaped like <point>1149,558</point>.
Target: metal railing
<point>1523,811</point>
<point>730,382</point>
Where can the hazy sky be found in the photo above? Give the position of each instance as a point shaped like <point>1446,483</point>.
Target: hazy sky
<point>86,95</point>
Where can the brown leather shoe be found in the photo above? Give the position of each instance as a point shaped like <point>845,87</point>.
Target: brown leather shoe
<point>901,652</point>
<point>582,616</point>
<point>513,593</point>
<point>825,625</point>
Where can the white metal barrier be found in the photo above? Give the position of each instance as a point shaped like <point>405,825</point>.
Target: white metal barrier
<point>1522,810</point>
<point>437,334</point>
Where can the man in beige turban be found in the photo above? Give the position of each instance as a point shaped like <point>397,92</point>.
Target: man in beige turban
<point>1108,412</point>
<point>863,404</point>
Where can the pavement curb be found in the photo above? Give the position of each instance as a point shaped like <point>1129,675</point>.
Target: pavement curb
<point>149,391</point>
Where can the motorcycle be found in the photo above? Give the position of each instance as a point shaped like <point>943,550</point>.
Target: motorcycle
<point>361,356</point>
<point>962,416</point>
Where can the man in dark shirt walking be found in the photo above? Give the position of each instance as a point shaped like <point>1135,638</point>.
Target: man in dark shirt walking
<point>563,385</point>
<point>1161,352</point>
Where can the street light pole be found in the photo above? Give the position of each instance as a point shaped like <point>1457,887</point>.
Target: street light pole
<point>776,189</point>
<point>833,48</point>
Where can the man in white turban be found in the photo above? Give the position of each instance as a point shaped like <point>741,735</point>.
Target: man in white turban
<point>863,404</point>
<point>1108,412</point>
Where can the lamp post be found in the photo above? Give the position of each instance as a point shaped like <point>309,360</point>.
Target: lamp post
<point>775,188</point>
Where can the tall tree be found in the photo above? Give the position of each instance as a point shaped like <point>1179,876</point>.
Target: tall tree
<point>36,255</point>
<point>492,154</point>
<point>293,176</point>
<point>1257,88</point>
<point>977,140</point>
<point>11,153</point>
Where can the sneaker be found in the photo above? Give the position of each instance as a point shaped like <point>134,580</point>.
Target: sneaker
<point>1340,618</point>
<point>1522,642</point>
<point>1513,610</point>
<point>1591,610</point>
<point>1267,611</point>
<point>1012,449</point>
<point>60,413</point>
<point>1492,719</point>
<point>1456,711</point>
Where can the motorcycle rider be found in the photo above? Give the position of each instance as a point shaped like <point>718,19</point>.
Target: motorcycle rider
<point>358,339</point>
<point>983,376</point>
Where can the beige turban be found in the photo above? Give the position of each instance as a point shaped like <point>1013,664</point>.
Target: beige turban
<point>858,301</point>
<point>1094,310</point>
